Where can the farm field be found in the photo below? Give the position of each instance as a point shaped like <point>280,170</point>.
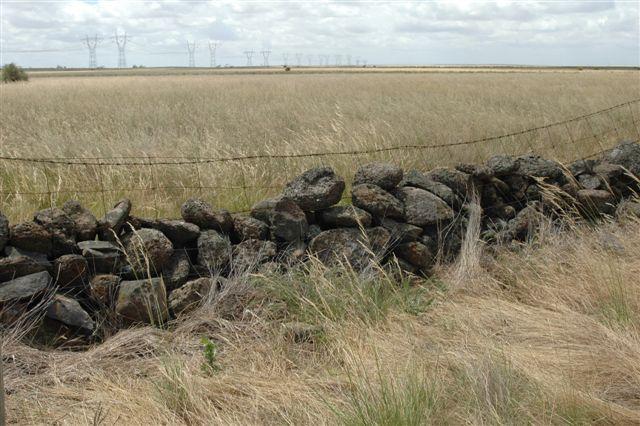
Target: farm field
<point>540,332</point>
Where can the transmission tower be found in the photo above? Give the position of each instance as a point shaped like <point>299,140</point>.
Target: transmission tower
<point>349,60</point>
<point>265,57</point>
<point>121,42</point>
<point>191,48</point>
<point>326,59</point>
<point>91,45</point>
<point>338,59</point>
<point>299,59</point>
<point>249,54</point>
<point>285,59</point>
<point>212,53</point>
<point>310,59</point>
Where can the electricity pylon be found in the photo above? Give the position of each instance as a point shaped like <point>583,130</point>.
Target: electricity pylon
<point>91,45</point>
<point>285,59</point>
<point>212,53</point>
<point>265,57</point>
<point>299,59</point>
<point>121,42</point>
<point>191,48</point>
<point>249,54</point>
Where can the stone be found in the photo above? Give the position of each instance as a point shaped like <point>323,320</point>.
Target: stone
<point>579,167</point>
<point>214,250</point>
<point>588,181</point>
<point>458,181</point>
<point>70,270</point>
<point>56,220</point>
<point>148,251</point>
<point>343,245</point>
<point>179,232</point>
<point>142,301</point>
<point>628,209</point>
<point>103,257</point>
<point>190,296</point>
<point>69,312</point>
<point>18,266</point>
<point>378,202</point>
<point>385,175</point>
<point>536,166</point>
<point>422,208</point>
<point>502,165</point>
<point>625,154</point>
<point>345,217</point>
<point>176,271</point>
<point>609,172</point>
<point>31,236</point>
<point>4,231</point>
<point>111,224</point>
<point>104,288</point>
<point>202,214</point>
<point>524,224</point>
<point>379,240</point>
<point>288,222</point>
<point>596,201</point>
<point>477,171</point>
<point>11,251</point>
<point>401,232</point>
<point>26,287</point>
<point>314,231</point>
<point>251,253</point>
<point>417,179</point>
<point>86,224</point>
<point>315,189</point>
<point>262,210</point>
<point>300,332</point>
<point>416,254</point>
<point>249,228</point>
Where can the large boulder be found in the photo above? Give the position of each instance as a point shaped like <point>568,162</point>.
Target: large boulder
<point>251,253</point>
<point>176,271</point>
<point>18,266</point>
<point>55,220</point>
<point>142,301</point>
<point>103,288</point>
<point>626,154</point>
<point>315,189</point>
<point>214,250</point>
<point>345,217</point>
<point>247,228</point>
<point>179,232</point>
<point>31,236</point>
<point>4,231</point>
<point>191,295</point>
<point>148,251</point>
<point>69,312</point>
<point>385,175</point>
<point>111,224</point>
<point>418,179</point>
<point>502,165</point>
<point>536,166</point>
<point>593,202</point>
<point>25,287</point>
<point>458,181</point>
<point>86,224</point>
<point>526,222</point>
<point>344,245</point>
<point>417,254</point>
<point>103,257</point>
<point>422,208</point>
<point>203,214</point>
<point>71,270</point>
<point>262,210</point>
<point>378,202</point>
<point>288,222</point>
<point>401,232</point>
<point>479,172</point>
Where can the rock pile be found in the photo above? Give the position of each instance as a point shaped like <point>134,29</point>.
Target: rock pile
<point>147,271</point>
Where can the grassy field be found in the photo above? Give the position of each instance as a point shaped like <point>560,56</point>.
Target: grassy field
<point>212,116</point>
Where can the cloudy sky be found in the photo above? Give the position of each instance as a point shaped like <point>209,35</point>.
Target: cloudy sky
<point>50,33</point>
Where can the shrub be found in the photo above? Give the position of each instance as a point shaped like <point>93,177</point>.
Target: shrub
<point>12,72</point>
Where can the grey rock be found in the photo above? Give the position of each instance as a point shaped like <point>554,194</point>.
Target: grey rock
<point>610,242</point>
<point>25,287</point>
<point>69,312</point>
<point>608,172</point>
<point>190,296</point>
<point>314,231</point>
<point>176,271</point>
<point>378,202</point>
<point>588,181</point>
<point>70,270</point>
<point>536,166</point>
<point>416,254</point>
<point>202,214</point>
<point>401,232</point>
<point>214,250</point>
<point>315,189</point>
<point>113,220</point>
<point>579,167</point>
<point>104,288</point>
<point>250,253</point>
<point>19,266</point>
<point>142,301</point>
<point>502,165</point>
<point>31,236</point>
<point>458,181</point>
<point>4,231</point>
<point>263,210</point>
<point>626,154</point>
<point>288,222</point>
<point>55,220</point>
<point>248,228</point>
<point>524,224</point>
<point>596,201</point>
<point>179,232</point>
<point>385,175</point>
<point>148,251</point>
<point>379,239</point>
<point>627,209</point>
<point>417,179</point>
<point>11,251</point>
<point>343,245</point>
<point>477,171</point>
<point>103,257</point>
<point>85,222</point>
<point>345,217</point>
<point>422,208</point>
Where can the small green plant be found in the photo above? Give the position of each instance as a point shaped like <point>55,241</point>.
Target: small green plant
<point>210,353</point>
<point>11,72</point>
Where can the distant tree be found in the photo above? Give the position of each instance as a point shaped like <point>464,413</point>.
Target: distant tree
<point>11,72</point>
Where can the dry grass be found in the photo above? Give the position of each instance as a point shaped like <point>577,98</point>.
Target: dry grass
<point>547,334</point>
<point>236,115</point>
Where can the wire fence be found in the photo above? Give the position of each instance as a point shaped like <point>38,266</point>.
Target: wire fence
<point>157,185</point>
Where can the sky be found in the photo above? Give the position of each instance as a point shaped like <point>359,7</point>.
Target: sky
<point>51,33</point>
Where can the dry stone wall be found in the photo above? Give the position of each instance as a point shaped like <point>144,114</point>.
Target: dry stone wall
<point>150,270</point>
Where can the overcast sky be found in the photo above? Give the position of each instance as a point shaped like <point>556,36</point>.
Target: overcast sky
<point>40,33</point>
